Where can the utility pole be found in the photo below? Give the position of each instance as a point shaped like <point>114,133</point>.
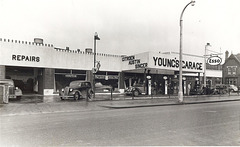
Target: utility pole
<point>94,61</point>
<point>180,92</point>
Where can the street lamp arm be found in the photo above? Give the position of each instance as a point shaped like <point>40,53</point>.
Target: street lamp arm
<point>184,10</point>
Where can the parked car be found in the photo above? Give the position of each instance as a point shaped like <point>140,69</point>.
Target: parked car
<point>76,90</point>
<point>199,91</point>
<point>13,92</point>
<point>137,90</point>
<point>99,87</point>
<point>221,88</point>
<point>233,88</point>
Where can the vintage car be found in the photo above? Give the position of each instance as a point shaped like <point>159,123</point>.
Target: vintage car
<point>100,88</point>
<point>13,92</point>
<point>137,90</point>
<point>223,88</point>
<point>76,90</point>
<point>233,88</point>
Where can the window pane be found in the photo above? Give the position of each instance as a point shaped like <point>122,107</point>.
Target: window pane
<point>229,71</point>
<point>234,69</point>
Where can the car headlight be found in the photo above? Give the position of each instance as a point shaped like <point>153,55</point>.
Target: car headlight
<point>70,89</point>
<point>62,90</point>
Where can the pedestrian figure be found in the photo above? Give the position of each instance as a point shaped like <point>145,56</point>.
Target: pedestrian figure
<point>189,88</point>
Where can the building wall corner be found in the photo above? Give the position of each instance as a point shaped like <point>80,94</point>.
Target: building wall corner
<point>2,72</point>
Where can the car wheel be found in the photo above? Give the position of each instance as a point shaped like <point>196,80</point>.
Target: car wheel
<point>135,93</point>
<point>224,91</point>
<point>76,96</point>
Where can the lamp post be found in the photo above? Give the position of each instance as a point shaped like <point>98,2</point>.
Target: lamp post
<point>180,92</point>
<point>204,74</point>
<point>94,61</point>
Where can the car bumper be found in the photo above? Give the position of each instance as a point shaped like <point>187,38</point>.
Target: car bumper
<point>62,95</point>
<point>12,96</point>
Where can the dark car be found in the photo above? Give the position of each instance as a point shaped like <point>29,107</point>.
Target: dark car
<point>77,90</point>
<point>138,89</point>
<point>100,88</point>
<point>221,88</point>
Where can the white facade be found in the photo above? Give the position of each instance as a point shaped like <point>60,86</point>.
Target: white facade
<point>46,56</point>
<point>29,54</point>
<point>35,55</point>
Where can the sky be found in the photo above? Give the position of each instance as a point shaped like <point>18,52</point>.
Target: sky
<point>125,26</point>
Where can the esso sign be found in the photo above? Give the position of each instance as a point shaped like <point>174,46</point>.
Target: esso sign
<point>214,60</point>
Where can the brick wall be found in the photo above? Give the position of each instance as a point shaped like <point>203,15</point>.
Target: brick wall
<point>48,78</point>
<point>231,62</point>
<point>2,72</point>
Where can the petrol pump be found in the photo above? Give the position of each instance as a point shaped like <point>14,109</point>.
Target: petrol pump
<point>149,85</point>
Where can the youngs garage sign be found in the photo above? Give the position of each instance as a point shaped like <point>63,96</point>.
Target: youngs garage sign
<point>165,62</point>
<point>168,61</point>
<point>190,63</point>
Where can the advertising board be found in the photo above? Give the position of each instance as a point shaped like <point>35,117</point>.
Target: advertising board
<point>163,61</point>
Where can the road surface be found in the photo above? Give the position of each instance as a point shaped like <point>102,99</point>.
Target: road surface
<point>208,124</point>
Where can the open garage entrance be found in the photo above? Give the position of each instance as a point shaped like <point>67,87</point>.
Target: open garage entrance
<point>63,77</point>
<point>28,79</point>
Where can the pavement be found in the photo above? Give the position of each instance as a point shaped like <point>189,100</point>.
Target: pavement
<point>38,104</point>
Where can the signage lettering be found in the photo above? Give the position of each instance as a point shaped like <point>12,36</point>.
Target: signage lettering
<point>128,58</point>
<point>70,76</point>
<point>158,61</point>
<point>108,76</point>
<point>214,60</point>
<point>25,58</point>
<point>141,65</point>
<point>137,61</point>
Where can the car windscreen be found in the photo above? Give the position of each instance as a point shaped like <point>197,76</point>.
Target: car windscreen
<point>86,84</point>
<point>75,84</point>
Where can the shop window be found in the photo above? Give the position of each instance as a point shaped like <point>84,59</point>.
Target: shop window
<point>227,81</point>
<point>62,71</point>
<point>231,81</point>
<point>78,71</point>
<point>234,82</point>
